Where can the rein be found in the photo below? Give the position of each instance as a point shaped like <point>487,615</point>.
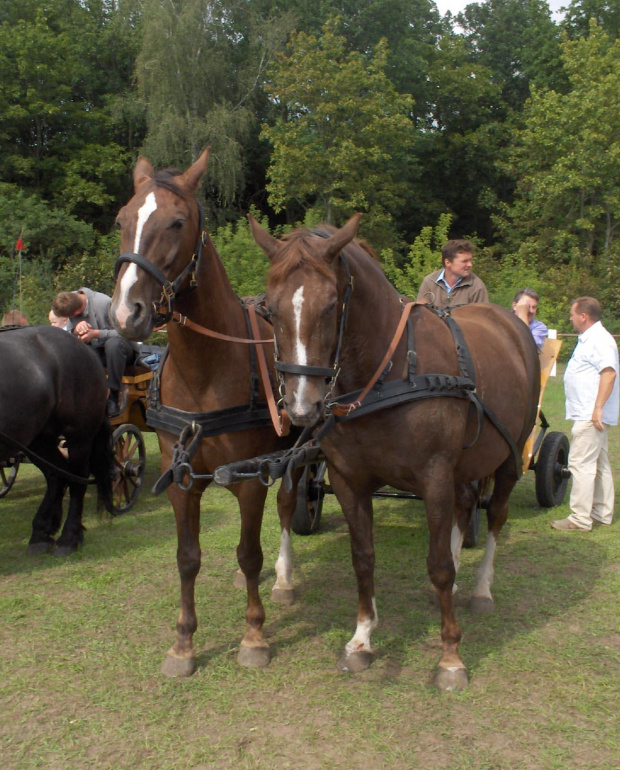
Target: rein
<point>34,456</point>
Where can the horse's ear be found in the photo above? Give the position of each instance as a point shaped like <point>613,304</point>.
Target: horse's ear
<point>142,172</point>
<point>265,240</point>
<point>339,240</point>
<point>191,178</point>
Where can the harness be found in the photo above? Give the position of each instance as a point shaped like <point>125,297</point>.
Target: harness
<point>376,395</point>
<point>192,427</point>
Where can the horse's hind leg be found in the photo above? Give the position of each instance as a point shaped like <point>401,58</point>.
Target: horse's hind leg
<point>465,496</point>
<point>497,513</point>
<point>283,591</point>
<point>439,502</point>
<point>254,651</point>
<point>48,517</point>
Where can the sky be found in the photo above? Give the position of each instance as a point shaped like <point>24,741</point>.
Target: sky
<point>455,6</point>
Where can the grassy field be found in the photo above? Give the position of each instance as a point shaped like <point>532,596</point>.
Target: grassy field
<point>83,639</point>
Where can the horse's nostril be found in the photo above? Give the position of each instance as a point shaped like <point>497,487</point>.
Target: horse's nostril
<point>138,311</point>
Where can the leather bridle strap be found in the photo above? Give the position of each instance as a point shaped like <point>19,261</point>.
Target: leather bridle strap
<point>183,320</point>
<point>169,289</point>
<point>281,421</point>
<point>342,409</point>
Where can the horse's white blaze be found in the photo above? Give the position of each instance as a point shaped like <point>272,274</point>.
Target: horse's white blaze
<point>284,564</point>
<point>300,350</point>
<point>146,209</point>
<point>361,639</point>
<point>131,274</point>
<point>486,570</point>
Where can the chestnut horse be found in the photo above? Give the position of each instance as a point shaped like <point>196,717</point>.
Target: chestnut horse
<point>432,447</point>
<point>163,244</point>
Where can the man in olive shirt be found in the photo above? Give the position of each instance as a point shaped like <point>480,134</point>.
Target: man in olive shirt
<point>455,284</point>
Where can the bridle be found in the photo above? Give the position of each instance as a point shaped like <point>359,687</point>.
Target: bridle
<point>329,373</point>
<point>169,289</point>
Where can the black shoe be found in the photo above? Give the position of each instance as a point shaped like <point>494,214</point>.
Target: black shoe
<point>112,407</point>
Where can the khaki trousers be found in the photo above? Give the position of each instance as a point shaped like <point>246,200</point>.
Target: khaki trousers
<point>592,493</point>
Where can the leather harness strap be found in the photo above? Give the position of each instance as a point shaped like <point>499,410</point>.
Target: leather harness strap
<point>343,409</point>
<point>281,421</point>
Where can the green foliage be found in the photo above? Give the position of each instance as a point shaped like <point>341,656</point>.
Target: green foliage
<point>342,141</point>
<point>566,213</point>
<point>424,257</point>
<point>245,263</point>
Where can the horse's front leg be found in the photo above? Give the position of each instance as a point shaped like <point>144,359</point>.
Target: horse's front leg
<point>180,659</point>
<point>497,513</point>
<point>439,503</point>
<point>48,517</point>
<point>357,508</point>
<point>254,651</point>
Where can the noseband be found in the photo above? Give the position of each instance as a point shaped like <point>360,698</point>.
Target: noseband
<point>169,289</point>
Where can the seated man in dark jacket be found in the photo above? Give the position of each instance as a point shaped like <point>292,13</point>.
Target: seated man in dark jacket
<point>87,314</point>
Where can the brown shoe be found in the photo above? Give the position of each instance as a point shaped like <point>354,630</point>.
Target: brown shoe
<point>566,525</point>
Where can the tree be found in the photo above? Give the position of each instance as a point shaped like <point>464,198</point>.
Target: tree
<point>343,140</point>
<point>567,163</point>
<point>199,72</point>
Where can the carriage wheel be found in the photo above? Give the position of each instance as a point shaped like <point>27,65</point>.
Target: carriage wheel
<point>8,474</point>
<point>129,467</point>
<point>552,470</point>
<point>310,494</point>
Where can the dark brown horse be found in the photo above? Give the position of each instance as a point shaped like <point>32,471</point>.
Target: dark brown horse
<point>417,446</point>
<point>161,236</point>
<point>52,385</point>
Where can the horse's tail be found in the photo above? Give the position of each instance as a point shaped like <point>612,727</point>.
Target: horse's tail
<point>102,465</point>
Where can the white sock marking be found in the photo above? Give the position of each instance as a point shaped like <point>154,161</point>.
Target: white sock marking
<point>486,570</point>
<point>361,638</point>
<point>284,564</point>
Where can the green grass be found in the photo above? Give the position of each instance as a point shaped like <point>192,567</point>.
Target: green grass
<point>83,640</point>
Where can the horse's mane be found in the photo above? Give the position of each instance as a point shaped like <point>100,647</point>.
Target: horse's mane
<point>298,250</point>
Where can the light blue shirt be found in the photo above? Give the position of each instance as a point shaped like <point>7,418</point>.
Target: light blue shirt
<point>440,278</point>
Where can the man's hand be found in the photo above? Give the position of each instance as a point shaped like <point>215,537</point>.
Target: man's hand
<point>85,332</point>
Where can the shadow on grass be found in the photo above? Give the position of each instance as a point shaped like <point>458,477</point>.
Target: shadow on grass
<point>540,574</point>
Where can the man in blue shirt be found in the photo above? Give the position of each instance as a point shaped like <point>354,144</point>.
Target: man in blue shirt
<point>525,305</point>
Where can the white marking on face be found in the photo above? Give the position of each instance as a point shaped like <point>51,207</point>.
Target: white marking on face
<point>361,638</point>
<point>131,273</point>
<point>146,209</point>
<point>300,349</point>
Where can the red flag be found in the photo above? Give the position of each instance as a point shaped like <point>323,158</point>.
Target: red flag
<point>20,245</point>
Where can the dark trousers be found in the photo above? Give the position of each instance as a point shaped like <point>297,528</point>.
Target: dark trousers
<point>116,354</point>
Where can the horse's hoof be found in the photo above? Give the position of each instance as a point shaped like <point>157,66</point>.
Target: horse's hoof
<point>64,550</point>
<point>354,662</point>
<point>36,549</point>
<point>254,657</point>
<point>178,667</point>
<point>284,596</point>
<point>239,581</point>
<point>451,679</point>
<point>481,605</point>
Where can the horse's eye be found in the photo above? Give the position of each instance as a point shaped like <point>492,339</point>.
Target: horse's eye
<point>177,224</point>
<point>117,224</point>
